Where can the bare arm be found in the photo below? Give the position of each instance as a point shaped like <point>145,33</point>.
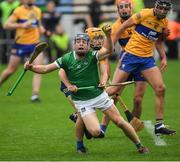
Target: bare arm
<point>104,67</point>
<point>41,28</point>
<point>160,48</point>
<point>11,24</point>
<point>65,80</point>
<point>41,69</point>
<point>107,47</point>
<point>129,23</point>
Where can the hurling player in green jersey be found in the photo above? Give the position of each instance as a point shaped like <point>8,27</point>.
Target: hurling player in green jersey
<point>96,36</point>
<point>81,70</point>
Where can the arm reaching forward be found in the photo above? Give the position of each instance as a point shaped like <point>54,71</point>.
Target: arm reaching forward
<point>41,69</point>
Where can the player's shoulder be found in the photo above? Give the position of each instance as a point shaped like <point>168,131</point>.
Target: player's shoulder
<point>19,8</point>
<point>117,23</point>
<point>92,52</point>
<point>147,12</point>
<point>143,14</point>
<point>69,54</point>
<point>36,8</point>
<point>65,58</point>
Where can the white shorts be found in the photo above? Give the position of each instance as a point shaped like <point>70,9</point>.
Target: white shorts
<point>101,102</point>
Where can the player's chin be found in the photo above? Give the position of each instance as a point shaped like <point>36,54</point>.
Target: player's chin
<point>161,16</point>
<point>82,51</point>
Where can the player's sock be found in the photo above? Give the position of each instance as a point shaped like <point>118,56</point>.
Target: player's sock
<point>35,98</point>
<point>80,144</point>
<point>138,145</point>
<point>159,122</point>
<point>103,128</point>
<point>101,135</point>
<point>141,149</point>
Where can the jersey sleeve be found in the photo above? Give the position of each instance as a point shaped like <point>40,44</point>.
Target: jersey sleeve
<point>95,55</point>
<point>63,61</point>
<point>58,62</point>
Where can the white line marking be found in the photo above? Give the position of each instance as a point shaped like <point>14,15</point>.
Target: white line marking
<point>150,129</point>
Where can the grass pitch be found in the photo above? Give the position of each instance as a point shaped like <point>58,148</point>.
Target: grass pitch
<point>43,131</point>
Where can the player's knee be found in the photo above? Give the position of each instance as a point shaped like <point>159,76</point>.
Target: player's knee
<point>138,100</point>
<point>112,91</point>
<point>10,71</point>
<point>160,90</point>
<point>95,132</point>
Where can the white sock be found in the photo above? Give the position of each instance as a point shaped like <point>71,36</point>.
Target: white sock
<point>34,97</point>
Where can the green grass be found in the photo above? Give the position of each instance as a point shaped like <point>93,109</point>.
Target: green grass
<point>43,131</point>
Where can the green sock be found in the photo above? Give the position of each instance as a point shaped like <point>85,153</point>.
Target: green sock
<point>138,145</point>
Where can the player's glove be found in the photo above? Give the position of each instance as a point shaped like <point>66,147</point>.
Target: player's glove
<point>106,29</point>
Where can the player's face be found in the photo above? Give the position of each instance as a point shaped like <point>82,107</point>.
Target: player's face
<point>124,10</point>
<point>81,46</point>
<point>97,42</point>
<point>9,1</point>
<point>161,12</point>
<point>29,2</point>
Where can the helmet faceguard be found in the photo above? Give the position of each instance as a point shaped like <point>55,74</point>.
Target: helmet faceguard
<point>83,36</point>
<point>96,36</point>
<point>162,7</point>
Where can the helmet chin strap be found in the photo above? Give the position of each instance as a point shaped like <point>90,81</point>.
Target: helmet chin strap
<point>95,48</point>
<point>125,17</point>
<point>80,54</point>
<point>30,4</point>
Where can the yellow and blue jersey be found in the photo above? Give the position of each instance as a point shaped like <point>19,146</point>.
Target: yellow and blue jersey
<point>125,36</point>
<point>30,35</point>
<point>146,32</point>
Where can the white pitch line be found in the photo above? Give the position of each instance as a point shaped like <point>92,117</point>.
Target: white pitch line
<point>150,129</point>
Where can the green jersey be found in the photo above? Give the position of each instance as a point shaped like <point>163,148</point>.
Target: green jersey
<point>82,73</point>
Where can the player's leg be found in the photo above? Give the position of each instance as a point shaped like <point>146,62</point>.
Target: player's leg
<point>74,115</point>
<point>154,77</point>
<point>118,77</point>
<point>105,119</point>
<point>115,116</point>
<point>14,61</point>
<point>79,135</point>
<point>92,124</point>
<point>63,89</point>
<point>36,81</point>
<point>139,91</point>
<point>88,114</point>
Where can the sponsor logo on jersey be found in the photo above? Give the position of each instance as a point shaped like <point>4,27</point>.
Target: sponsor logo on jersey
<point>85,62</point>
<point>83,109</point>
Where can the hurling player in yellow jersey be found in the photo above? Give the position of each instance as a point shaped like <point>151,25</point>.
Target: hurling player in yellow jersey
<point>138,55</point>
<point>26,20</point>
<point>124,8</point>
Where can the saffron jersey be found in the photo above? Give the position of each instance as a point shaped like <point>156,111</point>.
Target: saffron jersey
<point>81,73</point>
<point>29,35</point>
<point>125,36</point>
<point>147,30</point>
